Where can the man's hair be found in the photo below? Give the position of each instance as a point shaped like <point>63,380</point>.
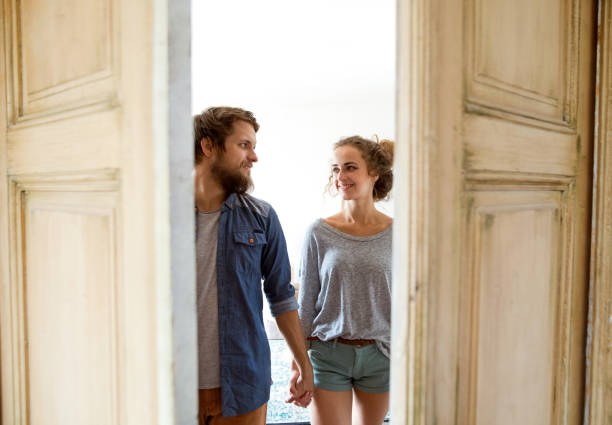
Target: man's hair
<point>216,123</point>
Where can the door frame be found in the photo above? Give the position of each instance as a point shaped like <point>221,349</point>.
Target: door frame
<point>175,266</point>
<point>599,353</point>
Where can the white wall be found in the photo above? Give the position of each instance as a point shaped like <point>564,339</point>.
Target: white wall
<point>312,72</point>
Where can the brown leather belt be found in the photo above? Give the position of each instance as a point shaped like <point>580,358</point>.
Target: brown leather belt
<point>357,342</point>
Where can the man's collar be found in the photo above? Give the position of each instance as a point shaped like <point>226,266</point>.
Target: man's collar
<point>230,201</point>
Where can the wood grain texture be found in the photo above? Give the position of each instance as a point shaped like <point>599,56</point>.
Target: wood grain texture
<point>410,254</point>
<point>70,301</point>
<point>495,144</point>
<point>91,141</point>
<point>512,319</point>
<point>425,310</point>
<point>50,339</point>
<point>43,79</point>
<point>8,397</point>
<point>526,140</point>
<point>530,73</point>
<point>58,27</point>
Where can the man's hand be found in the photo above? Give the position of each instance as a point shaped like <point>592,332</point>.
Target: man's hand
<point>301,386</point>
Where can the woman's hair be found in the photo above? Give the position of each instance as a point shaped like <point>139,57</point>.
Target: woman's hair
<point>378,156</point>
<point>217,123</point>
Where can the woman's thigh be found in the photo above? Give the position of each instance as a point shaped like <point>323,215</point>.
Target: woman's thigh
<point>331,407</point>
<point>370,408</point>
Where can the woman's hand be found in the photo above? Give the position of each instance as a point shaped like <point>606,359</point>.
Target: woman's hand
<point>301,386</point>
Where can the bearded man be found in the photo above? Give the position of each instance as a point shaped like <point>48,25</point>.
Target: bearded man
<point>239,242</point>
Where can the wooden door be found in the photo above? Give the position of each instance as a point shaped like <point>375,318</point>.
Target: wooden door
<point>86,310</point>
<point>495,132</point>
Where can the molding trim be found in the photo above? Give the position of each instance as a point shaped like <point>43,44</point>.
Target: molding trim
<point>598,409</point>
<point>411,254</point>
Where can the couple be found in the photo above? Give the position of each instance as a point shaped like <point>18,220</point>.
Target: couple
<point>344,273</point>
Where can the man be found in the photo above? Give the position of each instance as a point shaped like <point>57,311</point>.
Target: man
<point>239,241</point>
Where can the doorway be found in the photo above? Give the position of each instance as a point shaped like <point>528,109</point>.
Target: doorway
<point>311,74</point>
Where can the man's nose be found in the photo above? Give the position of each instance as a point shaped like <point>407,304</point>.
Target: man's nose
<point>253,156</point>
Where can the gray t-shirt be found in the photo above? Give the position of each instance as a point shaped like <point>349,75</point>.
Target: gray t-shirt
<point>345,285</point>
<point>209,369</point>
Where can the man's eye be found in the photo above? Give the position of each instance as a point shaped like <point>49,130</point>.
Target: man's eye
<point>335,170</point>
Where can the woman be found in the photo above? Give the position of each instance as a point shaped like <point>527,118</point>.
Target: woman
<point>345,293</point>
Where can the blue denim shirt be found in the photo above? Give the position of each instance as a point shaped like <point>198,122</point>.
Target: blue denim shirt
<point>251,247</point>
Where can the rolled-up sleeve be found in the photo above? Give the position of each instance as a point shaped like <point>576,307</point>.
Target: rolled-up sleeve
<point>276,269</point>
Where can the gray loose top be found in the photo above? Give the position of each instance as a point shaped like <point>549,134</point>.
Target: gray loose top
<point>345,285</point>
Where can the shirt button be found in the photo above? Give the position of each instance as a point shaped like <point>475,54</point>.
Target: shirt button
<point>251,240</point>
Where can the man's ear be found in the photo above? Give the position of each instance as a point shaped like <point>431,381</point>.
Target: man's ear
<point>207,147</point>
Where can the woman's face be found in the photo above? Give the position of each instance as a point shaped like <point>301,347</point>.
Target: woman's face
<point>350,174</point>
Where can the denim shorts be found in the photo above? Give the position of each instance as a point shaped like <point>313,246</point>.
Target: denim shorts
<point>341,367</point>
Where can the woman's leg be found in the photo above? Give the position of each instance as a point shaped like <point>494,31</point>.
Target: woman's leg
<point>370,408</point>
<point>331,407</point>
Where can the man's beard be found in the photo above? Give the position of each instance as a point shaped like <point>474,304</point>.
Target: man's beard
<point>232,181</point>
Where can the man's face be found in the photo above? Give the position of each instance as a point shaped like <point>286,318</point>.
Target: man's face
<point>232,168</point>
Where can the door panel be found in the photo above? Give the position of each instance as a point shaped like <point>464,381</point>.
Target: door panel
<point>71,305</point>
<point>512,316</point>
<point>495,119</point>
<point>49,80</point>
<point>521,57</point>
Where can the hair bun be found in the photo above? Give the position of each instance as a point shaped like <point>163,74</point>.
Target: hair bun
<point>388,147</point>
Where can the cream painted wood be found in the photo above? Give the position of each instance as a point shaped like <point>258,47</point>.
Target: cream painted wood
<point>70,305</point>
<point>515,249</point>
<point>494,144</point>
<point>9,415</point>
<point>492,227</point>
<point>43,81</point>
<point>86,293</point>
<point>96,136</point>
<point>599,389</point>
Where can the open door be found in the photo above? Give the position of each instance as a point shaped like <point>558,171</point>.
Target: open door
<point>495,132</point>
<point>86,227</point>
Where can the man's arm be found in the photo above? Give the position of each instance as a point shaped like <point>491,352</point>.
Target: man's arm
<point>302,385</point>
<point>276,272</point>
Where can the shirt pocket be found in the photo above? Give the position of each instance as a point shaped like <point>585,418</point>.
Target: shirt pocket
<point>249,245</point>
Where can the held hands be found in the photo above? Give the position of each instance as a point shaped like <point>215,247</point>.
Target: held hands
<point>301,386</point>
